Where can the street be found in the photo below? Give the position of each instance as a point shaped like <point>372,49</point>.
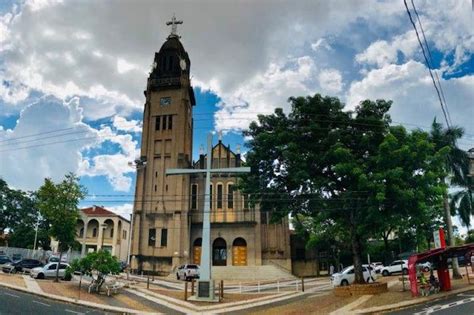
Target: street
<point>459,304</point>
<point>15,302</point>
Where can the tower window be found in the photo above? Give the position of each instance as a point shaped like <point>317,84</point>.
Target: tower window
<point>170,122</point>
<point>151,237</point>
<point>230,196</point>
<point>194,189</point>
<point>164,237</point>
<point>157,122</point>
<point>210,196</point>
<point>219,196</point>
<point>164,122</point>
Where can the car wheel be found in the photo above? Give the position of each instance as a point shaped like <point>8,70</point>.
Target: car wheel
<point>344,282</point>
<point>40,276</point>
<point>385,273</point>
<point>426,269</point>
<point>405,271</point>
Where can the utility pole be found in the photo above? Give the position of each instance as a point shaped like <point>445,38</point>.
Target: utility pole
<point>36,233</point>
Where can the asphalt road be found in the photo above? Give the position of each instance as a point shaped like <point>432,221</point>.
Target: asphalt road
<point>16,302</point>
<point>459,304</point>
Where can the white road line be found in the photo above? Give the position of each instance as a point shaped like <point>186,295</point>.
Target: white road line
<point>38,302</point>
<point>69,311</point>
<point>12,295</point>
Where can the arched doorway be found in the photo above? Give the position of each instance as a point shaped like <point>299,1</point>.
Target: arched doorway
<point>197,245</point>
<point>239,252</point>
<point>219,252</point>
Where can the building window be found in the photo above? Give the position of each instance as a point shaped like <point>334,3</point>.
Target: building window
<point>219,196</point>
<point>246,198</point>
<point>230,196</point>
<point>94,232</point>
<point>210,196</point>
<point>170,122</point>
<point>81,232</point>
<point>164,123</point>
<point>124,234</point>
<point>151,237</point>
<point>194,191</point>
<point>164,237</point>
<point>112,232</point>
<point>157,122</point>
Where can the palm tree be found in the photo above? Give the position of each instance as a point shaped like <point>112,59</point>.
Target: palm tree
<point>462,201</point>
<point>455,166</point>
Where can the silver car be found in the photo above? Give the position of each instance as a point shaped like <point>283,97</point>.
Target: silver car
<point>49,271</point>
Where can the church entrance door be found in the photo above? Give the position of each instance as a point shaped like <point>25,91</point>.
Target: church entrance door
<point>197,245</point>
<point>239,252</point>
<point>219,252</point>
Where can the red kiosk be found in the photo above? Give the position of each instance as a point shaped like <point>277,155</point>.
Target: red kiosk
<point>438,256</point>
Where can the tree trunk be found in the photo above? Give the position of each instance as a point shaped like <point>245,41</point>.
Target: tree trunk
<point>449,224</point>
<point>56,279</point>
<point>356,257</point>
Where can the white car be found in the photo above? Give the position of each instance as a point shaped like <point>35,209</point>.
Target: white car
<point>346,276</point>
<point>426,266</point>
<point>377,266</point>
<point>49,271</point>
<point>398,266</point>
<point>187,272</point>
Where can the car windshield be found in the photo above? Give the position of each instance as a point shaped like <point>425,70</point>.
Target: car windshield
<point>193,267</point>
<point>346,269</point>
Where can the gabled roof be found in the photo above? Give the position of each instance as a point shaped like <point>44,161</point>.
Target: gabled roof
<point>96,211</point>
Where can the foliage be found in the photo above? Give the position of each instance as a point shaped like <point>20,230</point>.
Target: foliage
<point>58,204</point>
<point>349,172</point>
<point>97,265</point>
<point>19,216</point>
<point>469,237</point>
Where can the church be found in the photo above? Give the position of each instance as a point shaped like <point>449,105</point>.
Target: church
<point>168,210</point>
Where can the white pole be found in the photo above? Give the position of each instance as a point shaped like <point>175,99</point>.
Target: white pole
<point>368,260</point>
<point>36,234</point>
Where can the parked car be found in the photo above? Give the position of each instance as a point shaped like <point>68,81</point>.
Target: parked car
<point>49,271</point>
<point>23,265</point>
<point>4,259</point>
<point>347,276</point>
<point>426,266</point>
<point>187,272</point>
<point>377,266</point>
<point>398,266</point>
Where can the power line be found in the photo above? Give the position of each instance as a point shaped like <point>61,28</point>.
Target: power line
<point>431,60</point>
<point>428,65</point>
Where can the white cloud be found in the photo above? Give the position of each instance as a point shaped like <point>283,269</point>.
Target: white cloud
<point>319,44</point>
<point>25,161</point>
<point>122,124</point>
<point>330,80</point>
<point>415,102</point>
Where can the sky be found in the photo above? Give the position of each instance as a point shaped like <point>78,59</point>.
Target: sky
<point>72,74</point>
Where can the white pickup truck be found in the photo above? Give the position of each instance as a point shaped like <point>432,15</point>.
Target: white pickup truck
<point>187,272</point>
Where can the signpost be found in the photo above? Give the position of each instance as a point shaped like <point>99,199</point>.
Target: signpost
<point>205,290</point>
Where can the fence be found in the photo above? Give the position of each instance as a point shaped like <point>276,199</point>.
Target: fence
<point>21,253</point>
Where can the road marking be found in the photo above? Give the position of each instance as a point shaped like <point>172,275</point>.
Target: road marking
<point>436,308</point>
<point>12,295</point>
<point>38,302</point>
<point>463,294</point>
<point>69,311</point>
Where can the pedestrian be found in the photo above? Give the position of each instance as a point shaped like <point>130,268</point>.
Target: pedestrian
<point>331,269</point>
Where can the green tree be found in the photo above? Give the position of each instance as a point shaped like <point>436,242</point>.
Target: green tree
<point>58,204</point>
<point>350,171</point>
<point>469,237</point>
<point>455,171</point>
<point>97,265</point>
<point>19,215</point>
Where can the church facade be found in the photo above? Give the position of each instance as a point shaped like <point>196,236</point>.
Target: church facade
<point>168,210</point>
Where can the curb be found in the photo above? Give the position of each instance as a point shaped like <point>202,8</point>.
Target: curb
<point>406,304</point>
<point>102,307</point>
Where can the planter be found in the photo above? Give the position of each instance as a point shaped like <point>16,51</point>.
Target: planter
<point>361,289</point>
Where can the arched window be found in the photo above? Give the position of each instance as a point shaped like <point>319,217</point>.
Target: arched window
<point>94,232</point>
<point>219,196</point>
<point>219,252</point>
<point>239,252</point>
<point>230,196</point>
<point>194,192</point>
<point>81,232</point>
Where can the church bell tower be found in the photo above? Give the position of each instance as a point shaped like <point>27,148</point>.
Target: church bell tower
<point>160,239</point>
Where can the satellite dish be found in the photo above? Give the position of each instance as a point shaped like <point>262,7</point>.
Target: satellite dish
<point>182,64</point>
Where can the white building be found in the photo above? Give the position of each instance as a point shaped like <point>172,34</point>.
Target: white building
<point>100,228</point>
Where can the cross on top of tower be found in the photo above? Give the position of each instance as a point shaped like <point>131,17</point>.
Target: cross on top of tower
<point>174,26</point>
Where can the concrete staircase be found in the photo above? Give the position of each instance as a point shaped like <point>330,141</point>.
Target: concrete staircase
<point>265,272</point>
